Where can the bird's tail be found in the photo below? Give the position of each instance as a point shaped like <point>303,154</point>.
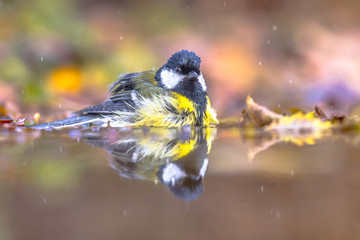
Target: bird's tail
<point>73,122</point>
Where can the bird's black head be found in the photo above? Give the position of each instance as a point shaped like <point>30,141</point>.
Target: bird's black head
<point>181,74</point>
<point>183,183</point>
<point>184,62</point>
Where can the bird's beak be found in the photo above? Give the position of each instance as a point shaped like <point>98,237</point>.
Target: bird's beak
<point>192,75</point>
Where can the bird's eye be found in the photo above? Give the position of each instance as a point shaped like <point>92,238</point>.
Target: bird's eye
<point>178,70</point>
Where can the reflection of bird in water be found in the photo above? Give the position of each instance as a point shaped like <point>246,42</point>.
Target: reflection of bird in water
<point>175,157</point>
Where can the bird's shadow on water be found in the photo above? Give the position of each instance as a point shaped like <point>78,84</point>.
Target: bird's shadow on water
<point>178,158</point>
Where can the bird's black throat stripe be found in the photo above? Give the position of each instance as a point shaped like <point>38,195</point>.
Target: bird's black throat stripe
<point>192,89</point>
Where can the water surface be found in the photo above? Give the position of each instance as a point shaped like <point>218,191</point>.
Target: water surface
<point>177,184</point>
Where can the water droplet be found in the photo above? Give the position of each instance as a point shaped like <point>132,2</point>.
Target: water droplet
<point>268,41</point>
<point>290,81</point>
<point>44,199</point>
<point>121,37</point>
<point>153,68</point>
<point>274,27</point>
<point>259,63</point>
<point>41,59</point>
<point>262,188</point>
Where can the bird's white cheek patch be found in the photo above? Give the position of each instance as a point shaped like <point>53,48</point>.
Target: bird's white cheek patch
<point>202,82</point>
<point>172,173</point>
<point>169,78</point>
<point>204,167</point>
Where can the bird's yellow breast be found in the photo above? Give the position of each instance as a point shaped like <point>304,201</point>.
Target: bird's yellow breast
<point>173,110</point>
<point>210,115</point>
<point>183,103</point>
<point>186,106</point>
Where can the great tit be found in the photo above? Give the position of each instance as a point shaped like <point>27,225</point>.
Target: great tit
<point>171,96</point>
<point>176,158</point>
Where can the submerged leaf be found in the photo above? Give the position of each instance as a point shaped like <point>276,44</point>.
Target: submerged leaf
<point>299,128</point>
<point>257,115</point>
<point>260,116</point>
<point>300,122</point>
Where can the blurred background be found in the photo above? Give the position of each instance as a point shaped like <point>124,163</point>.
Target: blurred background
<point>59,56</point>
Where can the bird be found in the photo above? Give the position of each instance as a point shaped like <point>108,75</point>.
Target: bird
<point>173,95</point>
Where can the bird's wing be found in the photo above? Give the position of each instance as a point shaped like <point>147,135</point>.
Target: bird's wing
<point>133,81</point>
<point>123,93</point>
<point>122,102</point>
